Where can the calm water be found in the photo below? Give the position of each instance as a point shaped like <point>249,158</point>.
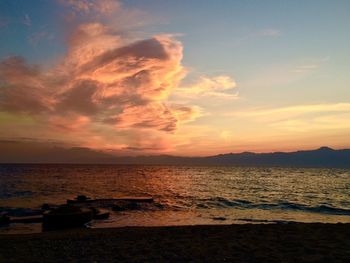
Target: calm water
<point>185,195</point>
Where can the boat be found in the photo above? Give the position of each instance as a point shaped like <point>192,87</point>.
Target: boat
<point>66,216</point>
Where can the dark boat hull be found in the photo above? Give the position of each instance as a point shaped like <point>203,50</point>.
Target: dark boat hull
<point>53,221</point>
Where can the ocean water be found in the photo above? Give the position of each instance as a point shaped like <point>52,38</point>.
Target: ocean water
<point>183,195</point>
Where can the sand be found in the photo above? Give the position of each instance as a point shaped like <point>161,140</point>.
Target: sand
<point>220,243</point>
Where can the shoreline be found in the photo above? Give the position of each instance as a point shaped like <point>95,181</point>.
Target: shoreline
<point>304,242</point>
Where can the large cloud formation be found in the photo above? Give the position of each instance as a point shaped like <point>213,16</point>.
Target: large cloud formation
<point>108,90</point>
<point>102,79</point>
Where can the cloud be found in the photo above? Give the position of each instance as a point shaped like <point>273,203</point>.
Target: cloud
<point>102,83</point>
<point>35,38</point>
<point>104,80</point>
<point>88,7</point>
<point>79,98</point>
<point>151,115</point>
<point>311,65</point>
<point>301,118</point>
<point>306,68</point>
<point>109,90</point>
<point>268,32</point>
<point>22,87</point>
<point>292,111</point>
<point>27,20</point>
<point>285,74</point>
<point>219,86</point>
<point>258,34</point>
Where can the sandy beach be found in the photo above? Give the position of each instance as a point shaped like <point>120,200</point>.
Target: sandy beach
<point>225,243</point>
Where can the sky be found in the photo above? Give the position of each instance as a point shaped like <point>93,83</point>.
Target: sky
<point>190,78</point>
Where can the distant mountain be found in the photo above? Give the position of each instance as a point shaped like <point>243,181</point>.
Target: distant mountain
<point>36,152</point>
<point>322,157</point>
<point>19,152</point>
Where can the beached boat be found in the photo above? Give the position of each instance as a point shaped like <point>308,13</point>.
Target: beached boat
<point>66,216</point>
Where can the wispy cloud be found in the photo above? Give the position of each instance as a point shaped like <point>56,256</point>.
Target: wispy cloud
<point>221,86</point>
<point>35,38</point>
<point>295,110</point>
<point>109,12</point>
<point>27,20</point>
<point>92,7</point>
<point>284,74</point>
<point>306,68</point>
<point>301,118</point>
<point>268,32</point>
<point>310,67</point>
<point>254,35</point>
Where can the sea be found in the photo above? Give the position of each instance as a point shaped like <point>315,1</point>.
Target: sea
<point>183,195</point>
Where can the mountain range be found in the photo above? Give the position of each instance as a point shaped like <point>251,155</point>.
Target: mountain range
<point>322,157</point>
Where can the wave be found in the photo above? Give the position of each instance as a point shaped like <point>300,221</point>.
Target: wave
<point>220,202</point>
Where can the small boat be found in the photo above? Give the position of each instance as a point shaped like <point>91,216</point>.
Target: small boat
<point>66,216</point>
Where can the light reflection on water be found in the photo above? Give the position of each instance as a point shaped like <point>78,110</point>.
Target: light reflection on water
<point>187,195</point>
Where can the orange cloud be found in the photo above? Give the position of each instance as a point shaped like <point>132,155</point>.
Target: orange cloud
<point>104,80</point>
<point>109,90</point>
<point>219,86</point>
<point>22,87</point>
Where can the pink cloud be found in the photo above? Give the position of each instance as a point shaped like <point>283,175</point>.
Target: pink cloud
<point>104,81</point>
<point>109,90</point>
<point>21,87</point>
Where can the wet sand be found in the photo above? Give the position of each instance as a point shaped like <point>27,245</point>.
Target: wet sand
<point>221,243</point>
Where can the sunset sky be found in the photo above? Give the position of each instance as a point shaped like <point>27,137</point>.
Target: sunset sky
<point>194,77</point>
